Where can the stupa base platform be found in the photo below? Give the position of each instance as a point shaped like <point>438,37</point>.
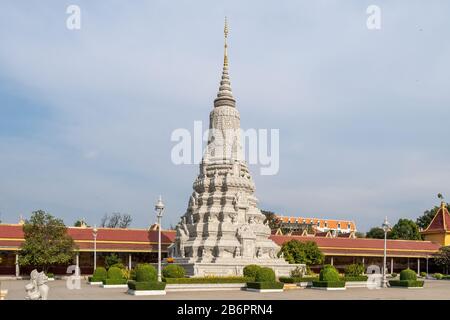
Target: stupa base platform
<point>234,267</point>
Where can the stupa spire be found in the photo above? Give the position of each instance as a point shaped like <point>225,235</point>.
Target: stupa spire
<point>225,94</point>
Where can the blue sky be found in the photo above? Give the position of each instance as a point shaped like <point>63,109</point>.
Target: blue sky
<point>86,115</point>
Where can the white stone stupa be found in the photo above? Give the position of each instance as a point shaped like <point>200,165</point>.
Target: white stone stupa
<point>223,230</point>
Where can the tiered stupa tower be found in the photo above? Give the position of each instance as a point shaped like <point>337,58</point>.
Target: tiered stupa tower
<point>223,230</point>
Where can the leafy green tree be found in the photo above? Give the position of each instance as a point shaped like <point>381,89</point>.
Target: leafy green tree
<point>112,260</point>
<point>46,242</point>
<point>442,258</point>
<point>360,234</point>
<point>424,221</point>
<point>405,229</point>
<point>308,252</point>
<point>375,233</point>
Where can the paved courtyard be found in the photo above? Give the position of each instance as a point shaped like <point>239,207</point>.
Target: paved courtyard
<point>434,289</point>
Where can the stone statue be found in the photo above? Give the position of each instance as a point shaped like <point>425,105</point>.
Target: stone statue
<point>259,253</point>
<point>237,252</point>
<point>37,289</point>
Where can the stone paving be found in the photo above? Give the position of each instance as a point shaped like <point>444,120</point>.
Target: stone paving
<point>434,289</point>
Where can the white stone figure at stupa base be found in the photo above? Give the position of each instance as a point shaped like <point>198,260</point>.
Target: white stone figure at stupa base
<point>223,230</point>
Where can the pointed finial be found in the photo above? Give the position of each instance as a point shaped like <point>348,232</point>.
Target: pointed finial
<point>225,32</point>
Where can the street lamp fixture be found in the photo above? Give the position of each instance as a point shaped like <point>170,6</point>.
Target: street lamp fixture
<point>94,234</point>
<point>386,227</point>
<point>159,208</point>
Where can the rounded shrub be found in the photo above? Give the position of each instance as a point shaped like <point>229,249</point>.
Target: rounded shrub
<point>100,273</point>
<point>393,275</point>
<point>438,276</point>
<point>423,274</point>
<point>251,270</point>
<point>408,274</point>
<point>115,273</point>
<point>265,275</point>
<point>146,273</point>
<point>329,273</point>
<point>173,271</point>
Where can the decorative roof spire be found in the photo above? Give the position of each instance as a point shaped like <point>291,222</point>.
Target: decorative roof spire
<point>225,95</point>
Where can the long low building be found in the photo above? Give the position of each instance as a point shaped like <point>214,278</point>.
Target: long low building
<point>141,245</point>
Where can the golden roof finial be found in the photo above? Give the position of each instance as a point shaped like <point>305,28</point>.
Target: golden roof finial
<point>225,32</point>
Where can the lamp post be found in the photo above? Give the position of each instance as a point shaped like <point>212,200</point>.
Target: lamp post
<point>159,208</point>
<point>94,234</point>
<point>385,226</point>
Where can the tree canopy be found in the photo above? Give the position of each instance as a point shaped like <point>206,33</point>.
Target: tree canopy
<point>405,229</point>
<point>270,219</point>
<point>442,258</point>
<point>308,252</point>
<point>375,233</point>
<point>46,242</point>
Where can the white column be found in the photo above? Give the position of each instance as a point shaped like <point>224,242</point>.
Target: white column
<point>129,261</point>
<point>392,265</point>
<point>418,265</point>
<point>427,266</point>
<point>77,262</point>
<point>17,265</point>
<point>332,261</point>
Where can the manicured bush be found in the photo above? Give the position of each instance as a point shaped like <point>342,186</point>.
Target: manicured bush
<point>146,273</point>
<point>446,277</point>
<point>114,281</point>
<point>251,270</point>
<point>99,275</point>
<point>173,271</point>
<point>423,274</point>
<point>147,285</point>
<point>438,276</point>
<point>394,275</point>
<point>329,284</point>
<point>265,285</point>
<point>209,280</point>
<point>355,278</point>
<point>286,279</point>
<point>408,274</point>
<point>265,275</point>
<point>329,273</point>
<point>355,269</point>
<point>50,275</point>
<point>114,273</point>
<point>406,283</point>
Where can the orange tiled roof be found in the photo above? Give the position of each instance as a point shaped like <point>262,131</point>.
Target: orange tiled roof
<point>330,223</point>
<point>108,239</point>
<point>440,222</point>
<point>367,247</point>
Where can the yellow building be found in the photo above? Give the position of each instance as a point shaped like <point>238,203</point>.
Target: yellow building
<point>438,231</point>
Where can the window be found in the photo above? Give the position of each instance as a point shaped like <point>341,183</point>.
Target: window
<point>326,224</point>
<point>339,225</point>
<point>348,226</point>
<point>318,223</point>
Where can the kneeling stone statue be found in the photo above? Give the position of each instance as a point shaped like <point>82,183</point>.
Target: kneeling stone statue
<point>37,289</point>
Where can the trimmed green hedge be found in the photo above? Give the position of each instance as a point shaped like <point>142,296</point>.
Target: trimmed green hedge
<point>209,280</point>
<point>173,271</point>
<point>406,283</point>
<point>145,273</point>
<point>329,273</point>
<point>50,275</point>
<point>265,275</point>
<point>355,278</point>
<point>265,285</point>
<point>251,270</point>
<point>438,276</point>
<point>146,285</point>
<point>329,284</point>
<point>408,274</point>
<point>99,275</point>
<point>114,281</point>
<point>297,279</point>
<point>114,273</point>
